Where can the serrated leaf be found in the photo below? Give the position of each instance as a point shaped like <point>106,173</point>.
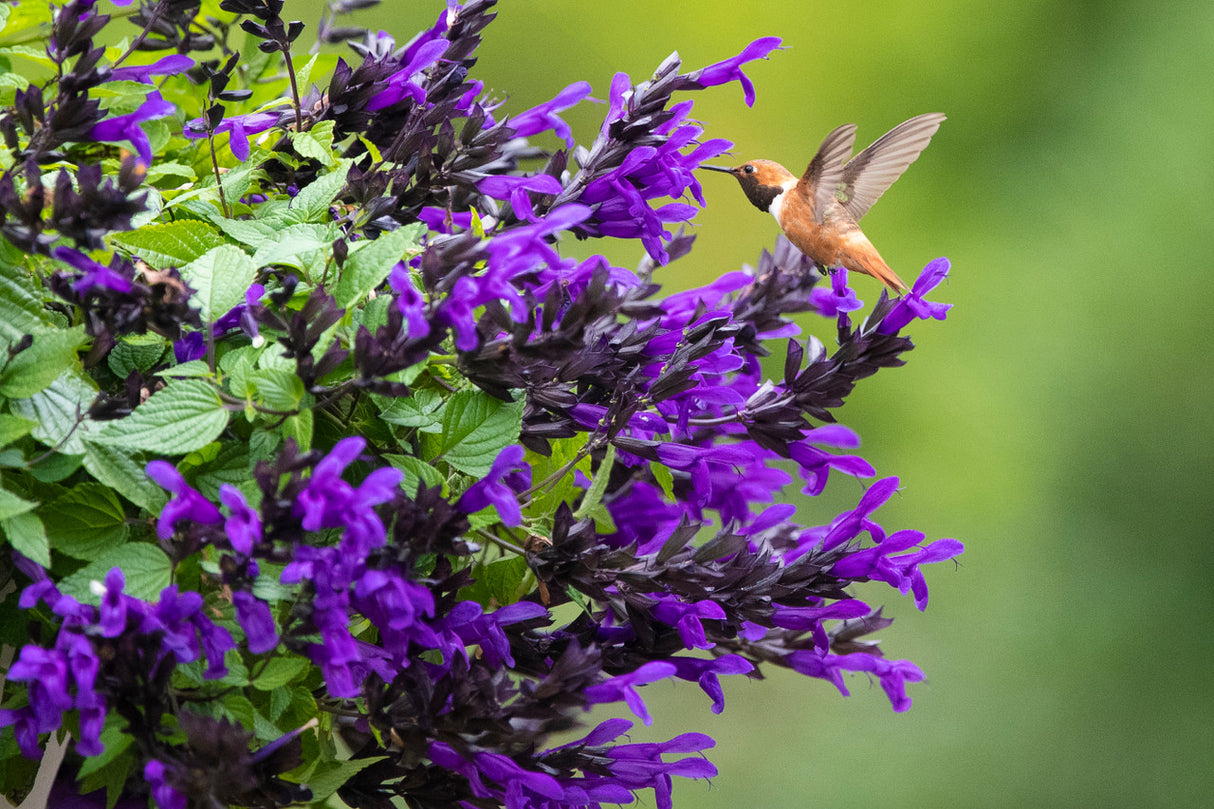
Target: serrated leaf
<point>118,469</point>
<point>594,495</point>
<point>25,533</point>
<point>14,427</point>
<point>295,245</point>
<point>135,351</point>
<point>115,739</point>
<point>370,262</point>
<point>476,427</point>
<point>21,312</point>
<point>299,427</point>
<point>52,352</point>
<point>328,779</point>
<point>415,470</point>
<point>220,278</point>
<point>665,478</point>
<point>309,146</point>
<point>312,202</point>
<point>278,389</point>
<point>85,522</point>
<point>11,505</point>
<point>250,232</point>
<point>172,244</point>
<point>239,709</point>
<point>418,409</point>
<point>193,368</point>
<point>501,581</point>
<point>280,671</point>
<point>54,467</point>
<point>145,567</point>
<point>183,416</point>
<point>60,410</point>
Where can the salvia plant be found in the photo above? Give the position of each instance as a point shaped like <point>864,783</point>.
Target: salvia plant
<point>327,478</point>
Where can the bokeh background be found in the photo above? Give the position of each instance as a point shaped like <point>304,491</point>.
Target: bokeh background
<point>1059,422</point>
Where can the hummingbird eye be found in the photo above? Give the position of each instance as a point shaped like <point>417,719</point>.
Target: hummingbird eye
<point>748,169</point>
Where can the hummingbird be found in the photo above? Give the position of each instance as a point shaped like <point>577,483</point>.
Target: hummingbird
<point>820,211</point>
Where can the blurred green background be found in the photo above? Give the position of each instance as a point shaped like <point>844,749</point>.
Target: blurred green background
<point>1059,423</point>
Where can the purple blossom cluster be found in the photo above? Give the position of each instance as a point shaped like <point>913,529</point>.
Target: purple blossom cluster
<point>673,535</point>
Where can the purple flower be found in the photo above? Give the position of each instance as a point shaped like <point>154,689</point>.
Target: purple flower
<point>409,301</point>
<point>705,672</point>
<point>166,797</point>
<point>507,477</point>
<point>544,116</point>
<point>893,674</point>
<point>914,305</point>
<point>243,524</point>
<point>94,275</point>
<point>238,127</point>
<point>191,346</point>
<point>840,298</point>
<point>256,620</point>
<point>624,687</point>
<point>187,503</point>
<point>113,604</point>
<point>166,66</point>
<point>687,618</point>
<point>400,84</point>
<point>126,127</point>
<point>816,463</point>
<point>731,69</point>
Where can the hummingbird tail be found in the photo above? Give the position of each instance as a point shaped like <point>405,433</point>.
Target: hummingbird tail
<point>875,266</point>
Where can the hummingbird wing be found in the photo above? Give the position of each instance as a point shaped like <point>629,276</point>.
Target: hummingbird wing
<point>825,171</point>
<point>869,174</point>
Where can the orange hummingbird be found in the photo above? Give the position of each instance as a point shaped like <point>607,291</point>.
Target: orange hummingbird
<point>819,213</point>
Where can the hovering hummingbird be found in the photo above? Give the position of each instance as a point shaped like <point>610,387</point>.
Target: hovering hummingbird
<point>819,212</point>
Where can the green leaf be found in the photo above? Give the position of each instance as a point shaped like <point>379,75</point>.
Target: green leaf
<point>172,244</point>
<point>25,532</point>
<point>309,146</point>
<point>115,739</point>
<point>281,390</point>
<point>476,427</point>
<point>85,522</point>
<point>415,470</point>
<point>665,478</point>
<point>183,416</point>
<point>220,278</point>
<point>14,427</point>
<point>327,779</point>
<point>280,671</point>
<point>297,245</point>
<point>312,202</point>
<point>250,232</point>
<point>21,311</point>
<point>499,583</point>
<point>124,473</point>
<point>193,368</point>
<point>299,427</point>
<point>239,709</point>
<point>136,351</point>
<point>370,262</point>
<point>54,467</point>
<point>418,409</point>
<point>34,369</point>
<point>594,495</point>
<point>11,505</point>
<point>60,410</point>
<point>145,566</point>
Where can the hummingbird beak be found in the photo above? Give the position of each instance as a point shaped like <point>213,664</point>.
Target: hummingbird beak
<point>718,168</point>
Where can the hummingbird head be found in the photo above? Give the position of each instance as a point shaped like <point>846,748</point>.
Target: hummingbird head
<point>761,180</point>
